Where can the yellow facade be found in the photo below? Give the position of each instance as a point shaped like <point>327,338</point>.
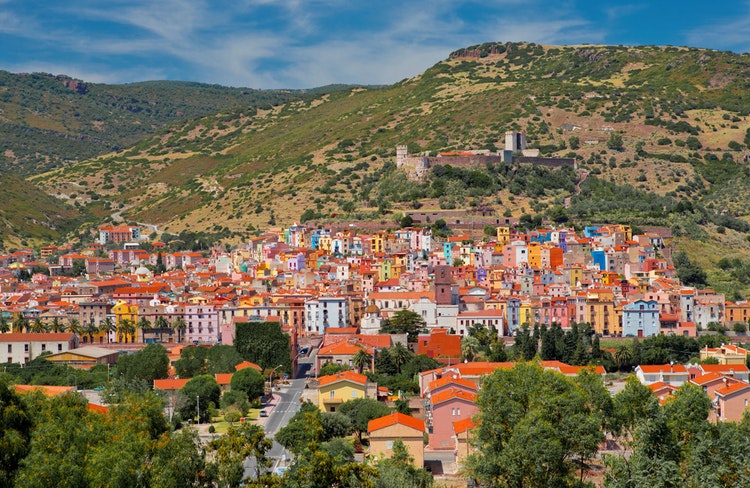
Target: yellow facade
<point>503,235</point>
<point>602,315</point>
<point>526,314</point>
<point>535,254</point>
<point>331,396</point>
<point>381,442</point>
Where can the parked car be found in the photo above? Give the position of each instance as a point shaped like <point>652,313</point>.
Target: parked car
<point>263,413</point>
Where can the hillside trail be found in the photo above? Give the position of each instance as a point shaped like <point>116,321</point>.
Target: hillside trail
<point>583,174</point>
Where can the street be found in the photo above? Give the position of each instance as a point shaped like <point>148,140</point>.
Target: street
<point>285,404</point>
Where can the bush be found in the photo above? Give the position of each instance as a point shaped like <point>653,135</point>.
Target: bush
<point>211,429</point>
<point>739,327</point>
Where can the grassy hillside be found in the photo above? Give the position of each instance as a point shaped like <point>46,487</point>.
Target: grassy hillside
<point>49,121</point>
<point>29,215</point>
<point>653,129</point>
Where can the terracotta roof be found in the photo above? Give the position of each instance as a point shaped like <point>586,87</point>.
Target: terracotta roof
<point>451,393</point>
<point>170,384</point>
<point>463,425</point>
<point>35,336</point>
<point>223,378</point>
<point>706,378</point>
<point>724,368</point>
<point>663,368</point>
<point>660,385</point>
<point>46,390</point>
<point>395,418</point>
<point>446,380</point>
<point>247,364</point>
<point>93,407</point>
<point>733,388</point>
<point>343,376</point>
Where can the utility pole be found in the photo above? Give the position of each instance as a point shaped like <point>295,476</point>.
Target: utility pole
<point>199,408</point>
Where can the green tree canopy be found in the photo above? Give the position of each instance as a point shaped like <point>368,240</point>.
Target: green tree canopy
<point>204,387</point>
<point>148,364</point>
<point>265,344</point>
<point>249,381</point>
<point>405,322</point>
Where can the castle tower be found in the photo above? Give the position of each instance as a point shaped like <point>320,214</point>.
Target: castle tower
<point>443,285</point>
<point>515,141</point>
<point>402,151</point>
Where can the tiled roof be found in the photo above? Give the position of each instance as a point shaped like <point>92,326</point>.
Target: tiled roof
<point>451,393</point>
<point>223,378</point>
<point>170,384</point>
<point>343,376</point>
<point>663,368</point>
<point>446,380</point>
<point>247,364</point>
<point>463,425</point>
<point>733,388</point>
<point>35,337</point>
<point>393,419</point>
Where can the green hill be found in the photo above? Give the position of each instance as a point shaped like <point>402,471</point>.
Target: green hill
<point>50,121</point>
<point>659,133</point>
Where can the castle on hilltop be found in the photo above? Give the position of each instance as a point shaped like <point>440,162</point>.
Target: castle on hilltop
<point>417,166</point>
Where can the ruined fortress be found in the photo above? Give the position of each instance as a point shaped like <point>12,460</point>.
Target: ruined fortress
<point>417,166</point>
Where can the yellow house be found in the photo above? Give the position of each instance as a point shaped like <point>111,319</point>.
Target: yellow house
<point>377,243</point>
<point>602,314</point>
<point>333,390</point>
<point>535,254</point>
<point>325,243</point>
<point>503,235</point>
<point>526,314</point>
<point>463,429</point>
<point>384,431</point>
<point>125,311</point>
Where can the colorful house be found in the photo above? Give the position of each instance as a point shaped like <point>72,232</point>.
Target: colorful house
<point>333,390</point>
<point>384,431</point>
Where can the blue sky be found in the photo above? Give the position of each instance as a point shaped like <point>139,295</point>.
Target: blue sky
<point>307,43</point>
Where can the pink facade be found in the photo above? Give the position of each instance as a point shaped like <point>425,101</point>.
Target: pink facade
<point>202,324</point>
<point>449,407</point>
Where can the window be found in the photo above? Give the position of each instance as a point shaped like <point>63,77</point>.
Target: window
<point>25,348</point>
<point>59,347</point>
<point>10,348</point>
<point>354,393</point>
<point>44,347</point>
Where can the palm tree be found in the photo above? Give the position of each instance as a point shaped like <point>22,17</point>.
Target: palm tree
<point>90,329</point>
<point>74,327</point>
<point>126,328</point>
<point>400,355</point>
<point>179,325</point>
<point>20,324</point>
<point>4,325</point>
<point>161,323</point>
<point>623,356</point>
<point>38,326</point>
<point>107,327</point>
<point>361,359</point>
<point>56,325</point>
<point>469,347</point>
<point>144,325</point>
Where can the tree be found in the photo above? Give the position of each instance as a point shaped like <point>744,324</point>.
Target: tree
<point>398,470</point>
<point>159,268</point>
<point>334,425</point>
<point>361,410</point>
<point>180,461</point>
<point>148,364</point>
<point>574,142</point>
<point>302,431</point>
<point>405,322</point>
<point>222,359</point>
<point>20,323</point>
<point>264,343</point>
<point>144,325</point>
<point>239,443</point>
<point>532,436</point>
<point>126,329</point>
<point>250,381</point>
<point>38,326</point>
<point>74,327</point>
<point>361,359</point>
<point>15,433</point>
<point>615,141</point>
<point>90,329</point>
<point>179,325</point>
<point>106,327</point>
<point>4,325</point>
<point>192,361</point>
<point>400,355</point>
<point>469,348</point>
<point>633,404</point>
<point>203,389</point>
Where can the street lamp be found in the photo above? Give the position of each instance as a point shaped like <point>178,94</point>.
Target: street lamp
<point>270,377</point>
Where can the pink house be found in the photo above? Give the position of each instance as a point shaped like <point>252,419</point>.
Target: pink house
<point>730,402</point>
<point>449,406</point>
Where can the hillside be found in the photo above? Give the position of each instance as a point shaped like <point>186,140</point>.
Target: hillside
<point>50,121</point>
<point>651,127</point>
<point>29,215</point>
